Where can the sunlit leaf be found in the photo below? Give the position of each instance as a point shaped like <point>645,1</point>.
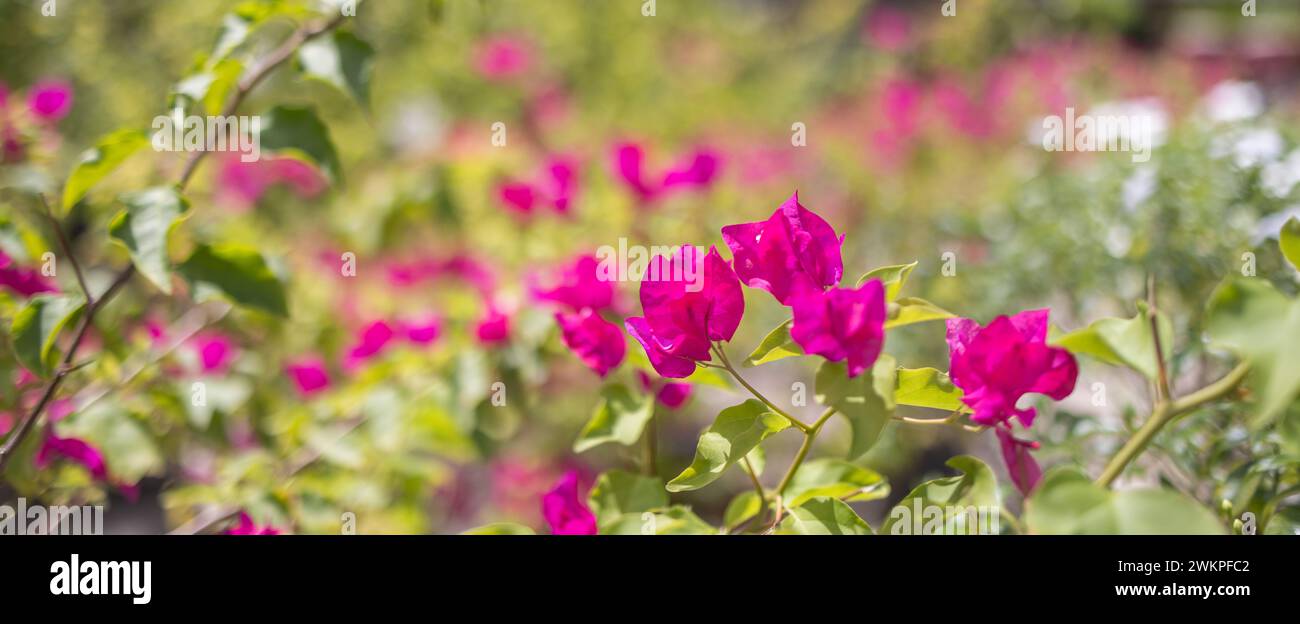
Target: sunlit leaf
<point>824,516</point>
<point>735,432</point>
<point>143,227</point>
<point>96,163</point>
<point>867,401</point>
<point>1068,502</point>
<point>36,327</point>
<point>620,417</point>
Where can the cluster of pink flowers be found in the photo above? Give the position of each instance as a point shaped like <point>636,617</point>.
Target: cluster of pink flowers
<point>241,184</point>
<point>80,452</point>
<point>244,525</point>
<point>48,102</point>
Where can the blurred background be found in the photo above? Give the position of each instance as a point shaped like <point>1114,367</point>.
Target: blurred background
<point>920,140</point>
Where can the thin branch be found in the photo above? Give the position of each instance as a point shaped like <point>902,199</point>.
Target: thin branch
<point>67,249</point>
<point>1162,377</point>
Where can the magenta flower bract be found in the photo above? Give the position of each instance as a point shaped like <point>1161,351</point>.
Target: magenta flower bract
<point>671,394</point>
<point>23,281</point>
<point>308,375</point>
<point>793,252</point>
<point>688,302</point>
<point>371,341</point>
<point>74,450</point>
<point>493,328</point>
<point>842,324</point>
<point>50,100</point>
<point>244,525</point>
<point>998,364</point>
<point>1022,467</point>
<point>579,286</point>
<point>564,509</point>
<point>696,170</point>
<point>424,331</point>
<point>555,187</point>
<point>502,57</point>
<point>597,342</point>
<point>215,353</point>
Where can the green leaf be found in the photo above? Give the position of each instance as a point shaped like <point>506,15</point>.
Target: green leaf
<point>867,400</point>
<point>36,327</point>
<point>500,528</point>
<point>299,133</point>
<point>735,432</point>
<point>238,272</point>
<point>341,60</point>
<point>96,163</point>
<point>927,387</point>
<point>1289,241</point>
<point>744,506</point>
<point>618,492</point>
<point>824,516</point>
<point>620,417</point>
<point>835,478</point>
<point>951,501</point>
<point>143,227</point>
<point>1259,323</point>
<point>1068,502</point>
<point>775,346</point>
<point>893,277</point>
<point>1122,342</point>
<point>909,310</point>
<point>676,520</point>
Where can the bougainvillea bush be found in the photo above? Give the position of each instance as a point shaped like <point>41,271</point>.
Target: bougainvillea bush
<point>651,267</point>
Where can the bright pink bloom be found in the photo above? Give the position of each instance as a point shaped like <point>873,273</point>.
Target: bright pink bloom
<point>244,525</point>
<point>423,331</point>
<point>371,341</point>
<point>671,394</point>
<point>579,286</point>
<point>493,328</point>
<point>215,353</point>
<point>793,252</point>
<point>309,375</point>
<point>697,169</point>
<point>1024,471</point>
<point>502,57</point>
<point>841,324</point>
<point>74,450</point>
<point>597,342</point>
<point>25,282</point>
<point>689,302</point>
<point>998,364</point>
<point>565,510</point>
<point>50,100</point>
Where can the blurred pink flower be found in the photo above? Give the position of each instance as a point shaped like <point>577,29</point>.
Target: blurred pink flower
<point>502,57</point>
<point>555,187</point>
<point>697,169</point>
<point>25,282</point>
<point>244,525</point>
<point>370,342</point>
<point>842,324</point>
<point>997,364</point>
<point>83,454</point>
<point>60,409</point>
<point>423,331</point>
<point>682,319</point>
<point>671,394</point>
<point>597,342</point>
<point>792,252</point>
<point>564,509</point>
<point>493,328</point>
<point>889,29</point>
<point>241,184</point>
<point>215,352</point>
<point>308,375</point>
<point>579,286</point>
<point>6,422</point>
<point>50,100</point>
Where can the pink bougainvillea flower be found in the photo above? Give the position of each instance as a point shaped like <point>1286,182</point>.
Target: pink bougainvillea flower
<point>371,341</point>
<point>1022,467</point>
<point>74,450</point>
<point>696,170</point>
<point>215,353</point>
<point>597,342</point>
<point>305,180</point>
<point>23,281</point>
<point>60,409</point>
<point>50,100</point>
<point>308,375</point>
<point>689,301</point>
<point>244,525</point>
<point>565,510</point>
<point>998,364</point>
<point>502,57</point>
<point>423,331</point>
<point>579,286</point>
<point>671,394</point>
<point>493,328</point>
<point>241,184</point>
<point>842,324</point>
<point>555,187</point>
<point>793,252</point>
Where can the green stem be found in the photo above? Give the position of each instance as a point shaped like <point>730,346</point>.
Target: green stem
<point>799,457</point>
<point>726,364</point>
<point>1164,413</point>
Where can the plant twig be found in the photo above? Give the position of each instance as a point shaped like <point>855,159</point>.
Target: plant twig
<point>726,364</point>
